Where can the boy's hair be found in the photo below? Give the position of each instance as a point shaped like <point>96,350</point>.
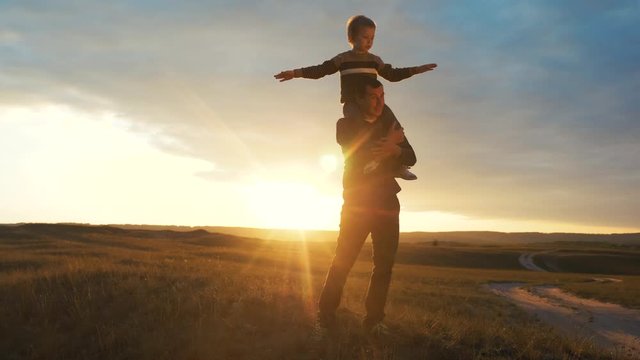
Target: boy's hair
<point>357,22</point>
<point>360,88</point>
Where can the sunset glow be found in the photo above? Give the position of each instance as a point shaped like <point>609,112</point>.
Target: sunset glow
<point>158,122</point>
<point>287,205</point>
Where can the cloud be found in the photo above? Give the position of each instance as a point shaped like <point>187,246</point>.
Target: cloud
<point>532,113</point>
<point>531,126</point>
<point>186,73</point>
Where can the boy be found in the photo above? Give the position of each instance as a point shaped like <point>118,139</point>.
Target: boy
<point>354,65</point>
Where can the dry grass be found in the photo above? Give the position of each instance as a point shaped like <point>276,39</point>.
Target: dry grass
<point>101,293</point>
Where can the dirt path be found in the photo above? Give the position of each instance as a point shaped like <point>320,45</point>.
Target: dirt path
<point>526,260</point>
<point>609,325</point>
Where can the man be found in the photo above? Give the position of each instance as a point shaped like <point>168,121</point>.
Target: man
<point>370,205</point>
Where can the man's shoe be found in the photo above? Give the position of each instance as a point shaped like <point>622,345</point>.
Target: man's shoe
<point>319,333</point>
<point>322,331</point>
<point>378,330</point>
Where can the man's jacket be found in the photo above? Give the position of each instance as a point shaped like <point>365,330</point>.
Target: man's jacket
<point>357,137</point>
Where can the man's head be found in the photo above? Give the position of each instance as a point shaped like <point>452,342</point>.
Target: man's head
<point>370,97</point>
<point>360,32</point>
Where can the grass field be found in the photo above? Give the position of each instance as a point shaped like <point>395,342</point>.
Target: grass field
<point>74,292</point>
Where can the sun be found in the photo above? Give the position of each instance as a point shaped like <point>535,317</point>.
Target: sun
<point>292,205</point>
<point>328,163</point>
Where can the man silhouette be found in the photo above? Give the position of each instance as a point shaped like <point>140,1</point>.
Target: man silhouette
<point>370,205</point>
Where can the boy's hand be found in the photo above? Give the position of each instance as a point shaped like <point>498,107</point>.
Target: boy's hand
<point>426,67</point>
<point>285,75</point>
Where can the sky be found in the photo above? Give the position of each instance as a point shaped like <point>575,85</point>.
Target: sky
<point>163,112</point>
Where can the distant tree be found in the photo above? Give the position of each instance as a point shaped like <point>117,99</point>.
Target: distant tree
<point>434,242</point>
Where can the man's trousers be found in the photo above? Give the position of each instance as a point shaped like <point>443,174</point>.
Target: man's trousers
<point>381,220</point>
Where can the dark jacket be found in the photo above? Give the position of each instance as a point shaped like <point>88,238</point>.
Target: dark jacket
<point>357,137</point>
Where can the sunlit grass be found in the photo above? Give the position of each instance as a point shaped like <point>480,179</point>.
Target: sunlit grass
<point>103,294</point>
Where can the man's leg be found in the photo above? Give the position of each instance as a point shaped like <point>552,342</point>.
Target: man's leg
<point>354,229</point>
<point>351,110</point>
<point>385,235</point>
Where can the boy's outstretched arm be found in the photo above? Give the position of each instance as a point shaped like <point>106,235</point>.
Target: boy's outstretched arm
<point>285,75</point>
<point>396,74</point>
<point>424,68</point>
<point>310,72</point>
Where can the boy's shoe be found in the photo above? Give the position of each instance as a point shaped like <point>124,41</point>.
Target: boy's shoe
<point>405,174</point>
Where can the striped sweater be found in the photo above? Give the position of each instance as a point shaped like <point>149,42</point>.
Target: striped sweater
<point>354,66</point>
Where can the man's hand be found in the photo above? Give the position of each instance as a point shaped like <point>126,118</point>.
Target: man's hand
<point>426,67</point>
<point>285,75</point>
<point>396,134</point>
<point>386,147</point>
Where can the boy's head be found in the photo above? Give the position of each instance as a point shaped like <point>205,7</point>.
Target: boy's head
<point>360,32</point>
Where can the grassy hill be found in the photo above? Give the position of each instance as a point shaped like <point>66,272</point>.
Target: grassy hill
<point>420,236</point>
<point>102,292</point>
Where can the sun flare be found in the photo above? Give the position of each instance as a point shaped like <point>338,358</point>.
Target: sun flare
<point>329,163</point>
<point>292,205</point>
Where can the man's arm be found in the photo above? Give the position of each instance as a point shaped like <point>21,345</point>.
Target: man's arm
<point>395,146</point>
<point>350,137</point>
<point>344,133</point>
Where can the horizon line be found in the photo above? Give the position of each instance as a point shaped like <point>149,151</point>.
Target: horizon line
<point>309,230</point>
